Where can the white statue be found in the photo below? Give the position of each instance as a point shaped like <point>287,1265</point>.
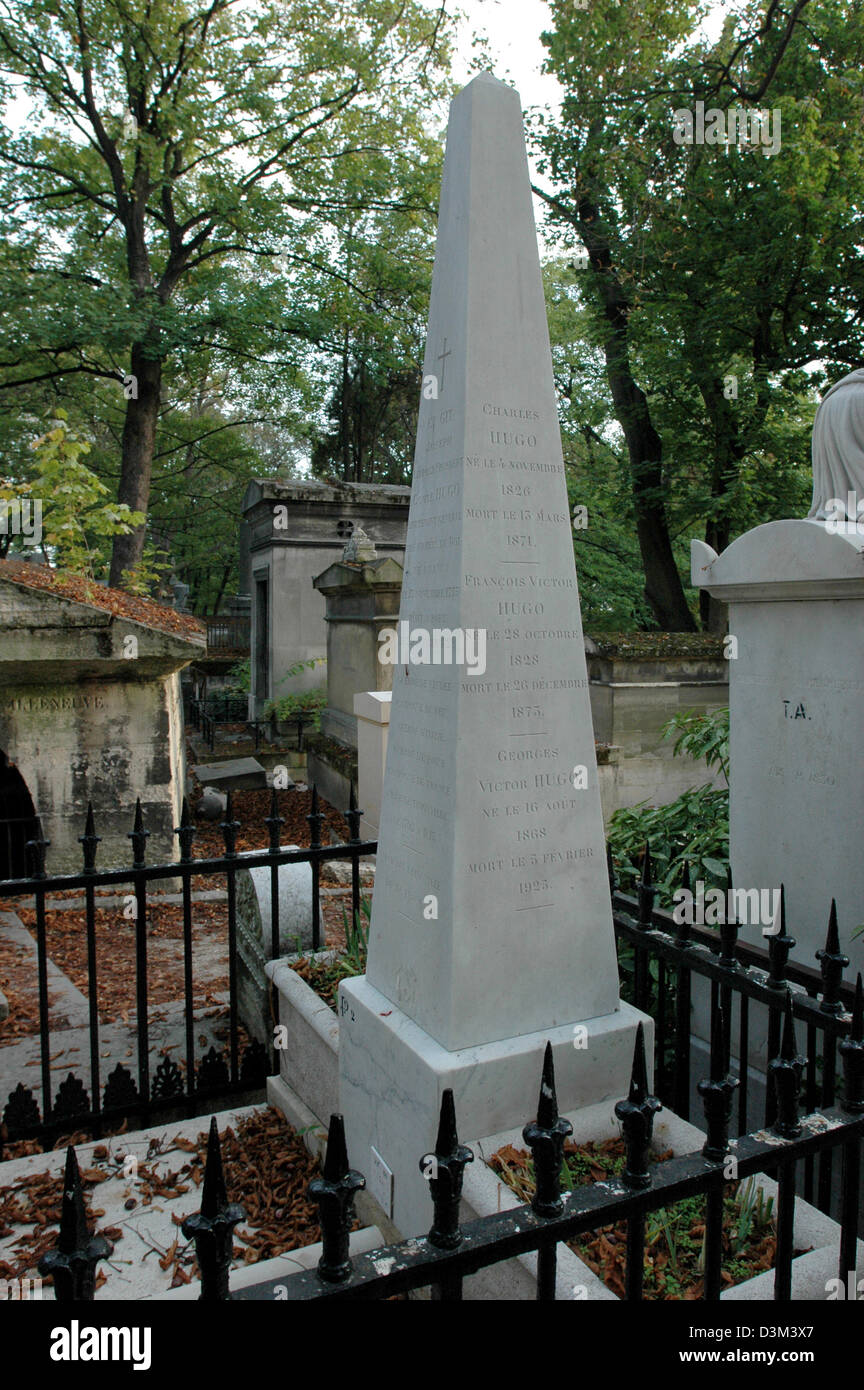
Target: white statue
<point>838,452</point>
<point>359,548</point>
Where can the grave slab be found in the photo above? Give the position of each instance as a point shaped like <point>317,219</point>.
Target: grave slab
<point>235,774</point>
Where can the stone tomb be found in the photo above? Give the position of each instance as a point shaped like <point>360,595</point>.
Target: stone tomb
<point>492,926</point>
<point>90,710</point>
<point>796,804</point>
<point>362,593</point>
<point>254,934</point>
<point>291,533</point>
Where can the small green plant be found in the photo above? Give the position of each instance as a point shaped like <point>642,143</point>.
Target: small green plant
<point>357,938</point>
<point>309,702</point>
<point>147,574</point>
<point>324,975</point>
<point>296,702</point>
<point>299,666</point>
<point>239,678</point>
<point>77,520</point>
<point>703,735</point>
<point>755,1215</point>
<point>674,1235</point>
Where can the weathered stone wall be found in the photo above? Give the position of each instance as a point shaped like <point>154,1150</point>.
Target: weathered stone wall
<point>105,742</point>
<point>91,711</point>
<point>632,697</point>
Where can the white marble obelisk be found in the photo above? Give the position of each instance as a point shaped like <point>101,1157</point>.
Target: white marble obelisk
<point>492,927</point>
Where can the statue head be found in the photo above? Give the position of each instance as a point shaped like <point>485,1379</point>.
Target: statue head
<point>838,451</point>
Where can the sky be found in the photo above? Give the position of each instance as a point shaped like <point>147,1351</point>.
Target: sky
<point>512,29</point>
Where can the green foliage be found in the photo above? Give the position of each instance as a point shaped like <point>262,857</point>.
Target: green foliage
<point>217,194</point>
<point>694,827</point>
<point>754,1216</point>
<point>239,678</point>
<point>356,940</point>
<point>717,264</point>
<point>324,975</point>
<point>302,702</point>
<point>77,520</point>
<point>299,666</point>
<point>149,573</point>
<point>702,735</point>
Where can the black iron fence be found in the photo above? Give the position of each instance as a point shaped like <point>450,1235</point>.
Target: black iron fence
<point>660,959</point>
<point>227,711</point>
<point>228,634</point>
<point>449,1254</point>
<point>752,984</point>
<point>15,831</point>
<point>200,1082</point>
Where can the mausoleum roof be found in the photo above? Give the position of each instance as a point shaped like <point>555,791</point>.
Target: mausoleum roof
<point>78,589</point>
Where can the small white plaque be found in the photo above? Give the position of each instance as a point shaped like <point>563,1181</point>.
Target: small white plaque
<point>381,1182</point>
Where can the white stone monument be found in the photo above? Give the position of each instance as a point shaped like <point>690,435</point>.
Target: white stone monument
<point>796,691</point>
<point>492,927</point>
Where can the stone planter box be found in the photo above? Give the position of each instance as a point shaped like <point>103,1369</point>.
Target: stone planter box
<point>484,1193</point>
<point>309,1062</point>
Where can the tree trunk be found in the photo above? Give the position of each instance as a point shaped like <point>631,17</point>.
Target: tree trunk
<point>664,591</point>
<point>728,453</point>
<point>139,437</point>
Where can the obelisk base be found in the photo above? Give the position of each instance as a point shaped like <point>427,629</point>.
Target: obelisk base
<point>392,1076</point>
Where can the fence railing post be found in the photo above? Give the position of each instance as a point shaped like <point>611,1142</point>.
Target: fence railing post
<point>35,849</point>
<point>334,1194</point>
<point>212,1228</point>
<point>315,819</point>
<point>72,1263</point>
<point>785,1073</point>
<point>89,842</point>
<point>717,1091</point>
<point>445,1170</point>
<point>646,895</point>
<point>546,1137</point>
<point>681,1088</point>
<point>636,1114</point>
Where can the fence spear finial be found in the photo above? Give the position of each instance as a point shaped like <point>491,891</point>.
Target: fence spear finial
<point>545,1137</point>
<point>89,841</point>
<point>72,1263</point>
<point>274,821</point>
<point>444,1170</point>
<point>832,963</point>
<point>212,1228</point>
<point>717,1091</point>
<point>785,1072</point>
<point>333,1194</point>
<point>139,836</point>
<point>779,946</point>
<point>229,826</point>
<point>636,1114</point>
<point>185,832</point>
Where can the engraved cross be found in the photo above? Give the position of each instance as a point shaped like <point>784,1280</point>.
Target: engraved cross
<point>442,356</point>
